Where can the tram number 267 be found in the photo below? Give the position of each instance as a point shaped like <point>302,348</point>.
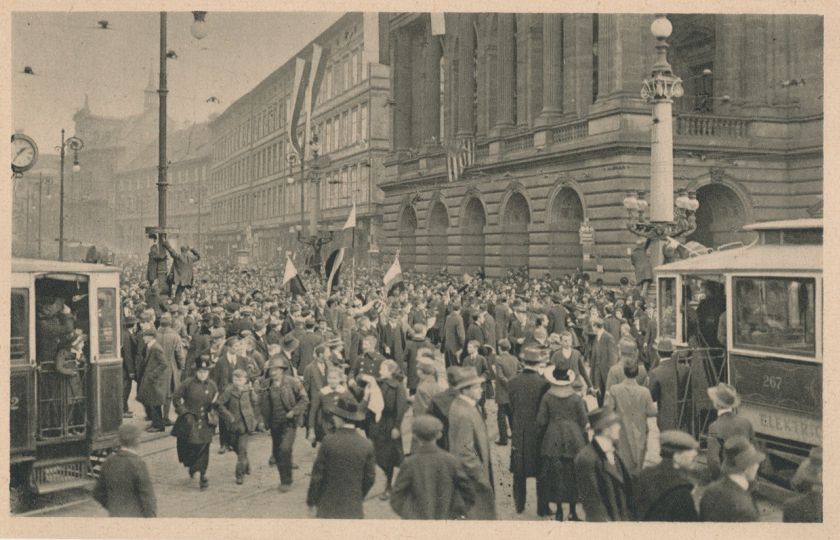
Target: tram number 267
<point>774,383</point>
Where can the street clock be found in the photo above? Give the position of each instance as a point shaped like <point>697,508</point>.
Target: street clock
<point>24,153</point>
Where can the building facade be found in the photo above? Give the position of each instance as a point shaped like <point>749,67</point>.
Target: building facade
<point>35,210</point>
<point>187,202</point>
<point>254,186</point>
<point>546,113</point>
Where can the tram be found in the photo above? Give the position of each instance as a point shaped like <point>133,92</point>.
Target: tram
<point>752,316</point>
<point>62,423</point>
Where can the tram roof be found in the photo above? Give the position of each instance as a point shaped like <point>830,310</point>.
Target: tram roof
<point>47,266</point>
<point>798,224</point>
<point>765,258</point>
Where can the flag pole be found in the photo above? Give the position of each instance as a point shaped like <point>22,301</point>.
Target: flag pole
<point>353,267</point>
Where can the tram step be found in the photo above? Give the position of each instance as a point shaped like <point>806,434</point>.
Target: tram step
<point>58,474</point>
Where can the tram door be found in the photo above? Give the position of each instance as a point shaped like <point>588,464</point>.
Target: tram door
<point>105,404</point>
<point>62,386</point>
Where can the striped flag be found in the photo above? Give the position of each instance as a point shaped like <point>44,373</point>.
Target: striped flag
<point>297,102</point>
<point>459,157</point>
<point>290,276</point>
<point>332,267</point>
<point>393,276</point>
<point>316,74</point>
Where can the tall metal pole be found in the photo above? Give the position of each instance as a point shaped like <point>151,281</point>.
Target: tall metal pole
<point>302,198</point>
<point>162,92</point>
<point>61,203</point>
<point>40,209</point>
<point>28,219</point>
<point>200,245</point>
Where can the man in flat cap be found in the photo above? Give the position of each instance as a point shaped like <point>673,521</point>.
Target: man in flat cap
<point>124,486</point>
<point>431,483</point>
<point>665,490</point>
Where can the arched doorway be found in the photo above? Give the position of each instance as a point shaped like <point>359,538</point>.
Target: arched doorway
<point>438,239</point>
<point>565,220</point>
<point>472,236</point>
<point>720,216</point>
<point>516,218</point>
<point>408,238</point>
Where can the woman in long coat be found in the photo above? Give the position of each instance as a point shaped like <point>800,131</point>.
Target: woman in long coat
<point>193,400</point>
<point>385,433</point>
<point>562,423</point>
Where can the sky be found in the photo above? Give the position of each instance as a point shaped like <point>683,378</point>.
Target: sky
<point>71,57</point>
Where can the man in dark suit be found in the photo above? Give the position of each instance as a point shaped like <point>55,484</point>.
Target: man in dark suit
<point>557,316</point>
<point>129,349</point>
<point>667,384</point>
<point>442,401</point>
<point>506,368</point>
<point>612,323</point>
<point>124,486</point>
<point>308,341</point>
<point>725,399</point>
<point>153,390</point>
<point>664,490</point>
<point>488,327</point>
<point>604,484</point>
<point>344,469</point>
<point>806,508</point>
<point>503,316</point>
<point>729,497</point>
<point>525,391</point>
<point>604,355</point>
<point>469,443</point>
<point>453,337</point>
<point>517,334</point>
<point>431,483</point>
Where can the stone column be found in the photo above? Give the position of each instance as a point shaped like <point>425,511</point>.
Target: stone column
<point>535,66</point>
<point>522,96</point>
<point>402,90</point>
<point>466,75</point>
<point>431,114</point>
<point>754,61</point>
<point>729,37</point>
<point>552,68</point>
<point>506,80</point>
<point>577,65</point>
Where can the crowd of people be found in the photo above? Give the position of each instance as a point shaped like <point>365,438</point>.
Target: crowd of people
<point>581,387</point>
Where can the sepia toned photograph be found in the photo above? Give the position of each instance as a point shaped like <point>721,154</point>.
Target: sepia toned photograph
<point>513,266</point>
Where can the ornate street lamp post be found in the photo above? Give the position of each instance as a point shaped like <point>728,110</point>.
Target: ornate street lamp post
<point>75,144</point>
<point>659,90</point>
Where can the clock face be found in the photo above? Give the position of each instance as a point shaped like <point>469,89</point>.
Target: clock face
<point>24,153</point>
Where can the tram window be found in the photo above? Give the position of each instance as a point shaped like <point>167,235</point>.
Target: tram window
<point>107,321</point>
<point>20,326</point>
<point>775,314</point>
<point>668,307</point>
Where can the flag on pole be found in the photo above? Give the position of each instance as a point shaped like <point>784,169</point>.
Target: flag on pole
<point>290,276</point>
<point>297,102</point>
<point>316,73</point>
<point>351,219</point>
<point>459,155</point>
<point>332,268</point>
<point>393,276</point>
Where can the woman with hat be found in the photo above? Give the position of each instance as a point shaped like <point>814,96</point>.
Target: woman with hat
<point>729,498</point>
<point>416,342</point>
<point>194,399</point>
<point>344,468</point>
<point>562,423</point>
<point>725,399</point>
<point>566,357</point>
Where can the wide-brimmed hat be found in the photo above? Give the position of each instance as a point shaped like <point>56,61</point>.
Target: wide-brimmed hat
<point>290,343</point>
<point>602,418</point>
<point>467,376</point>
<point>347,408</point>
<point>739,454</point>
<point>664,345</point>
<point>810,471</point>
<point>533,355</point>
<point>724,396</point>
<point>559,377</point>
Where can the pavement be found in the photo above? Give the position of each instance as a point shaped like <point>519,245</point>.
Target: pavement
<point>259,497</point>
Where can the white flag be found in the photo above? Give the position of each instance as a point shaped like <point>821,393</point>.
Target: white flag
<point>290,272</point>
<point>393,275</point>
<point>351,219</point>
<point>438,24</point>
